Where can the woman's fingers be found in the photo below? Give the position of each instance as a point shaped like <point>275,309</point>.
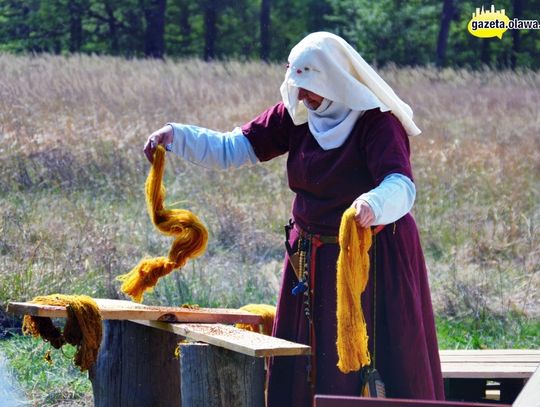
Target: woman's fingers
<point>150,147</point>
<point>161,136</point>
<point>364,214</point>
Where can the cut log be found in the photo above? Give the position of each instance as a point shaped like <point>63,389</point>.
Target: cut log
<point>136,367</point>
<point>217,377</point>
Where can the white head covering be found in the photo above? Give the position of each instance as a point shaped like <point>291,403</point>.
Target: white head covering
<point>327,65</point>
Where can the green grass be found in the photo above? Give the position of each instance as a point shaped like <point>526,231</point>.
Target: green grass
<point>488,332</point>
<point>58,383</point>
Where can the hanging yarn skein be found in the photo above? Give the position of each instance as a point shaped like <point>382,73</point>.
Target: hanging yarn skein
<point>267,312</point>
<point>191,236</point>
<point>83,327</point>
<point>352,278</point>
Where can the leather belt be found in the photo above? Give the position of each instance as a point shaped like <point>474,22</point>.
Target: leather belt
<point>294,257</point>
<point>325,239</point>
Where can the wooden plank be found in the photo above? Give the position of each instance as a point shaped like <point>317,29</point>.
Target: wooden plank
<point>530,394</point>
<point>343,401</point>
<point>467,352</point>
<point>489,363</point>
<point>127,310</point>
<point>490,355</point>
<point>229,337</point>
<point>492,359</point>
<point>488,370</point>
<point>503,367</point>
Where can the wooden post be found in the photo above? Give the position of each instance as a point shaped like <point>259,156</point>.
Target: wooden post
<point>136,367</point>
<point>217,377</point>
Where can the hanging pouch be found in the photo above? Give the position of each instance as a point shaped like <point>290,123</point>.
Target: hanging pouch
<point>372,384</point>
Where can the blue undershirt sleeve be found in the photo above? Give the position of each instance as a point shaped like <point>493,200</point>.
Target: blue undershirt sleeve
<point>210,148</point>
<point>392,199</point>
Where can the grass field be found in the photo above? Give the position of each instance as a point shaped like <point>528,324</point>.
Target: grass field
<point>73,215</point>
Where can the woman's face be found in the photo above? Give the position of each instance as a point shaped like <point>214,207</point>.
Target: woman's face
<point>312,100</point>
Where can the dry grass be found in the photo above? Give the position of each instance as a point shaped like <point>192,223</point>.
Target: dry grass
<point>71,175</point>
<point>477,168</point>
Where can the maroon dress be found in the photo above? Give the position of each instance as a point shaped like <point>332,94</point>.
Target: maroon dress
<point>326,183</point>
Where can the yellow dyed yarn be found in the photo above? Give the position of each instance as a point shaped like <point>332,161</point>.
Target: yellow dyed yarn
<point>352,278</point>
<point>191,237</point>
<point>267,312</point>
<point>83,327</point>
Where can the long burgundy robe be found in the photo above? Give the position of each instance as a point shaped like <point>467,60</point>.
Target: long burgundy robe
<point>326,183</point>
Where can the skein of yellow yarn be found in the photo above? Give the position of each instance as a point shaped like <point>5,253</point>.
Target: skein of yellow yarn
<point>83,327</point>
<point>191,236</point>
<point>352,278</point>
<point>267,312</point>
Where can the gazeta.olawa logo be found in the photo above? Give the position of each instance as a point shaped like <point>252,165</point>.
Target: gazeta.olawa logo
<point>494,23</point>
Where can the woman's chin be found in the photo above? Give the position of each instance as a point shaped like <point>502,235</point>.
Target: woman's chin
<point>311,105</point>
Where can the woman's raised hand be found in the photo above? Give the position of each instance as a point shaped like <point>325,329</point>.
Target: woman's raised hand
<point>162,136</point>
<point>364,214</point>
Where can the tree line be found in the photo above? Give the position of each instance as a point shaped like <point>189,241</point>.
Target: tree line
<point>416,32</point>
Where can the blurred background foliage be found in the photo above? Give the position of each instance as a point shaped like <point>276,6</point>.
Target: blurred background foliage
<point>405,33</point>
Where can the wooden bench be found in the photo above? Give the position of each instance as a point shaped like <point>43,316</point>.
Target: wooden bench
<point>477,375</point>
<point>337,401</point>
<point>528,397</point>
<point>201,361</point>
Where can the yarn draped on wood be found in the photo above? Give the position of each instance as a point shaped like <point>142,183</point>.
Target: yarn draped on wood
<point>83,327</point>
<point>191,236</point>
<point>267,312</point>
<point>352,278</point>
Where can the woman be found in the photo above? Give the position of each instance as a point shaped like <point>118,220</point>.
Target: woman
<point>346,135</point>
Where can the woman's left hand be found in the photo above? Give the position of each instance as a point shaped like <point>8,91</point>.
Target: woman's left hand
<point>364,214</point>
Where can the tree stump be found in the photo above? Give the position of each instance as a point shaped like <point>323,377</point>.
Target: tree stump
<point>217,377</point>
<point>136,367</point>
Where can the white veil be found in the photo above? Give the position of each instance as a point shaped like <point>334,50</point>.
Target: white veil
<point>327,65</point>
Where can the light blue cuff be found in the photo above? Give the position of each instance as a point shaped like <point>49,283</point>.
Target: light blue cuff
<point>210,148</point>
<point>392,199</point>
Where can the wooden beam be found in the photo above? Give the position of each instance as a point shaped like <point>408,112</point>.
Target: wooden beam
<point>127,310</point>
<point>229,337</point>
